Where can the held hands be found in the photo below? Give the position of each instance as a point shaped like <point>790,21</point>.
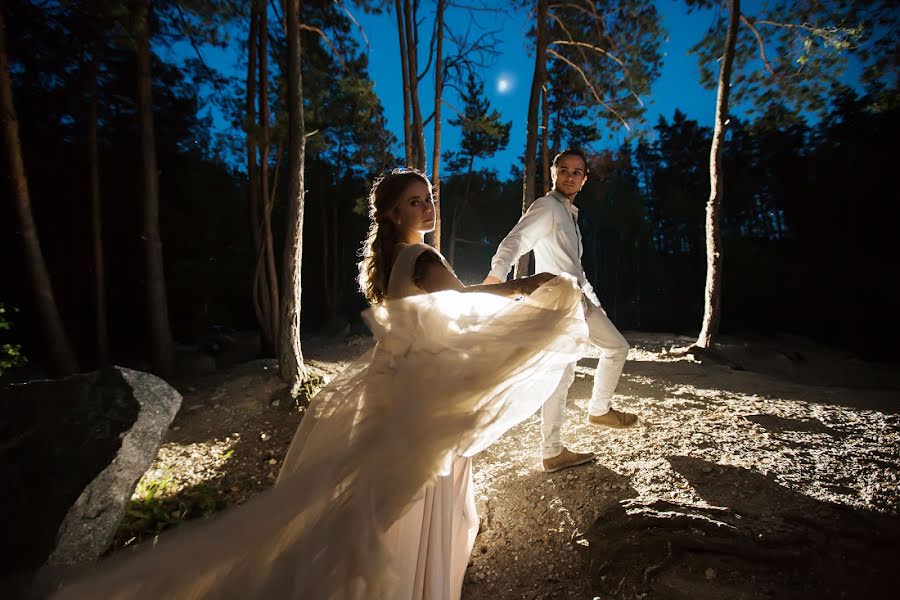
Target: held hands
<point>523,286</point>
<point>527,285</point>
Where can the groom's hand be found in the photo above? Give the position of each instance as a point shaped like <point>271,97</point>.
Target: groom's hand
<point>490,280</point>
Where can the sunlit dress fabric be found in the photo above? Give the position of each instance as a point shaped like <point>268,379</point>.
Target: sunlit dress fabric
<point>430,544</point>
<point>449,374</point>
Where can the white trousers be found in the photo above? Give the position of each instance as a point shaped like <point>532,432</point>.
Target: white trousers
<point>614,350</point>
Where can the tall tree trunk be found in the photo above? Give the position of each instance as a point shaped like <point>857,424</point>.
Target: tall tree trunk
<point>712,311</point>
<point>261,303</point>
<point>537,82</point>
<point>264,147</point>
<point>557,136</point>
<point>436,153</point>
<point>412,47</point>
<point>291,366</point>
<point>161,342</point>
<point>325,218</point>
<point>102,330</point>
<point>404,69</point>
<point>459,211</point>
<point>545,134</point>
<point>335,258</point>
<point>58,345</point>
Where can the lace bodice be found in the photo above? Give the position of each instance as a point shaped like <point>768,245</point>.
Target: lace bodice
<point>402,281</point>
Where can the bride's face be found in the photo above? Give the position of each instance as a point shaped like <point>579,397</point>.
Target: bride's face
<point>414,211</point>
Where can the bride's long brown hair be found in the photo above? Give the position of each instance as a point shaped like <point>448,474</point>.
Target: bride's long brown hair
<point>378,248</point>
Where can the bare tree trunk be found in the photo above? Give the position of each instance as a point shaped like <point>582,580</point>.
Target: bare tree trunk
<point>412,47</point>
<point>436,153</point>
<point>291,366</point>
<point>557,135</point>
<point>161,342</point>
<point>325,217</point>
<point>404,69</point>
<point>545,134</point>
<point>537,82</point>
<point>712,312</point>
<point>58,345</point>
<point>261,304</point>
<point>97,218</point>
<point>459,211</point>
<point>265,142</point>
<point>335,258</point>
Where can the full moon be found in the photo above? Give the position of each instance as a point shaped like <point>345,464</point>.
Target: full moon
<point>504,84</point>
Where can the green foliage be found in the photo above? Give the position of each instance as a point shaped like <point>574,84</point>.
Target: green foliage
<point>795,53</point>
<point>483,132</point>
<point>808,226</point>
<point>569,110</point>
<point>497,206</point>
<point>603,56</point>
<point>158,505</point>
<point>676,166</point>
<point>10,354</point>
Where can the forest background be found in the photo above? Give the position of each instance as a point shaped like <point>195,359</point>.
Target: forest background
<point>808,222</point>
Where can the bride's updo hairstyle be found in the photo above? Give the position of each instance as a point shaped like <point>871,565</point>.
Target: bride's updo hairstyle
<point>377,250</point>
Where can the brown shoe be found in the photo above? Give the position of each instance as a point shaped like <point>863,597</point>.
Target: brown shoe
<point>615,419</point>
<point>566,459</point>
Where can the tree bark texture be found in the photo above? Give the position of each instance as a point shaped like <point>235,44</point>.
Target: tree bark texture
<point>412,51</point>
<point>58,346</point>
<point>161,342</point>
<point>545,146</point>
<point>712,311</point>
<point>291,366</point>
<point>459,212</point>
<point>404,69</point>
<point>261,299</point>
<point>102,329</point>
<point>537,82</point>
<point>436,153</point>
<point>267,199</point>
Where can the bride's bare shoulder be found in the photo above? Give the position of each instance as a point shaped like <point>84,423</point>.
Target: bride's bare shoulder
<point>404,247</point>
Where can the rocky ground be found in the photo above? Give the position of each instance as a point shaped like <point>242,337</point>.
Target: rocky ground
<point>768,470</point>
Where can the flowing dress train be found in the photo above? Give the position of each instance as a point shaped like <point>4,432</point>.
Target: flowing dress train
<point>449,374</point>
<point>431,543</point>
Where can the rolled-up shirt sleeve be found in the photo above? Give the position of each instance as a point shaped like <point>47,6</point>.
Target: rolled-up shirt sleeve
<point>589,292</point>
<point>536,223</point>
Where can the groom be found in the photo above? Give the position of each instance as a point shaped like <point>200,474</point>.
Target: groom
<point>550,228</point>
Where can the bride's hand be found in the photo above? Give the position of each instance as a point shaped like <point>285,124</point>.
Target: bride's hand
<point>527,285</point>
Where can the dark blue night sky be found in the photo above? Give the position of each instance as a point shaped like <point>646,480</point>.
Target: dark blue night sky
<point>508,80</point>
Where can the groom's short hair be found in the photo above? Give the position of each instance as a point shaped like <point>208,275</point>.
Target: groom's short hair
<point>573,152</point>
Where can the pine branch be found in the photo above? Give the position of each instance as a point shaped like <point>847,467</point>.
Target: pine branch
<point>424,72</point>
<point>355,22</point>
<point>762,46</point>
<point>327,41</point>
<point>281,18</point>
<point>581,45</point>
<point>209,72</point>
<point>590,86</point>
<point>447,103</point>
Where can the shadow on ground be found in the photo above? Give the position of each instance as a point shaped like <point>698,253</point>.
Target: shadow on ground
<point>755,539</point>
<point>530,543</point>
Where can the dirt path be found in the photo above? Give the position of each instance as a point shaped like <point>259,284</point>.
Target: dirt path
<point>779,481</point>
<point>737,484</point>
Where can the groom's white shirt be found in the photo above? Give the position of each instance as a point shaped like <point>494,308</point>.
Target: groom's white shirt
<point>550,228</point>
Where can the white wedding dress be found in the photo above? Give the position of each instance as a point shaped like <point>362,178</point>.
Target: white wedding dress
<point>374,499</point>
<point>429,546</point>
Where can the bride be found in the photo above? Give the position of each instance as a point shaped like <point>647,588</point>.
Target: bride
<point>375,498</point>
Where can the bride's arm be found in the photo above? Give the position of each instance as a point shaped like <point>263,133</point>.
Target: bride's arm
<point>433,276</point>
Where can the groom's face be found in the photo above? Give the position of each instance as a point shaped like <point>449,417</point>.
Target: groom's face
<point>569,175</point>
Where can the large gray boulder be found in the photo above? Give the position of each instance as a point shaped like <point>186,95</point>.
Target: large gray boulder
<point>71,452</point>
